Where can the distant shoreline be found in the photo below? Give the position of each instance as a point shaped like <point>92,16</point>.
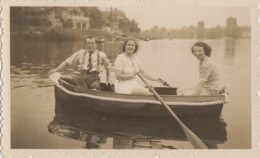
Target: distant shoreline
<point>29,31</point>
<point>42,32</point>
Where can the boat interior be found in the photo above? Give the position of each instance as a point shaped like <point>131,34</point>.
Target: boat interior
<point>68,84</point>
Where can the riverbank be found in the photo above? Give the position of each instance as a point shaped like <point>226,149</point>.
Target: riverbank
<point>61,34</point>
<point>26,31</point>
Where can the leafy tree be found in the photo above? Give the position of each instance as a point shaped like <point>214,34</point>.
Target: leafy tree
<point>35,22</point>
<point>114,15</point>
<point>134,26</point>
<point>95,16</point>
<point>155,31</point>
<point>16,15</point>
<point>123,24</point>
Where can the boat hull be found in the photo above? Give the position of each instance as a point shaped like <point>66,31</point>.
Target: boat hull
<point>141,106</point>
<point>212,130</point>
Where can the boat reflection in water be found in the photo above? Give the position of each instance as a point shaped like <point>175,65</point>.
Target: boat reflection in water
<point>105,131</point>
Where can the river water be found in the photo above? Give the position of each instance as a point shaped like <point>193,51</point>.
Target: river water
<point>37,123</point>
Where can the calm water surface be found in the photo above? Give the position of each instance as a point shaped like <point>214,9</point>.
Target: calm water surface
<point>36,122</point>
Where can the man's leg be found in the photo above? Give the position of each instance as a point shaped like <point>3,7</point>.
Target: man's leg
<point>94,85</point>
<point>78,81</point>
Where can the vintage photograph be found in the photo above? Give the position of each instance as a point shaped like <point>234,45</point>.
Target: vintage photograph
<point>125,77</point>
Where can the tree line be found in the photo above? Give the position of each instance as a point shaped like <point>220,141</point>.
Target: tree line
<point>231,30</point>
<point>98,19</point>
<point>117,19</point>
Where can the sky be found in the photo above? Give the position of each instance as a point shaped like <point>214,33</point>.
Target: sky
<point>177,17</point>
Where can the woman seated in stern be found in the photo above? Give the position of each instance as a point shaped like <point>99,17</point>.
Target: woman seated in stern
<point>127,65</point>
<point>209,83</point>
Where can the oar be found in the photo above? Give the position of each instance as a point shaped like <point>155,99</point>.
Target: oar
<point>164,82</point>
<point>196,142</point>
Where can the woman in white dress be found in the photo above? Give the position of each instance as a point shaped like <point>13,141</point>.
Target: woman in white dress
<point>127,65</point>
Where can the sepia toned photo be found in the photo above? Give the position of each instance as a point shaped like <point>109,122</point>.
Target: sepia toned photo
<point>129,77</point>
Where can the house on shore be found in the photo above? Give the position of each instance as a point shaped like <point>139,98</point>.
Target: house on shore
<point>57,17</point>
<point>112,23</point>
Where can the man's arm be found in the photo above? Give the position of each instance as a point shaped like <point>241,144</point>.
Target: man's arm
<point>59,68</point>
<point>69,61</point>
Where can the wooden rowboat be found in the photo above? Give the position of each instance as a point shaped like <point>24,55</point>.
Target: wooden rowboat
<point>108,102</point>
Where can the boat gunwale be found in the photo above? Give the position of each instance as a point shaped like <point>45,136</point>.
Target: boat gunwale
<point>136,95</point>
<point>93,94</point>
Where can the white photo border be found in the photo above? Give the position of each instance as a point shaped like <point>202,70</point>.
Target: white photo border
<point>255,81</point>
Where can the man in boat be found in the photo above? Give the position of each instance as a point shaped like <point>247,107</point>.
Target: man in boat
<point>89,63</point>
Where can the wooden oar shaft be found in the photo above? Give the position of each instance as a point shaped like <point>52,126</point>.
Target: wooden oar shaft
<point>166,106</point>
<point>164,82</point>
<point>193,138</point>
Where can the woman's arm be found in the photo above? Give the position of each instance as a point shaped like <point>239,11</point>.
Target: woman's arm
<point>106,63</point>
<point>122,76</point>
<point>143,72</point>
<point>196,90</point>
<point>198,87</point>
<point>205,71</point>
<point>119,67</point>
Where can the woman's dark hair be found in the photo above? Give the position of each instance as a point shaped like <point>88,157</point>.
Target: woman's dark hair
<point>130,39</point>
<point>207,49</point>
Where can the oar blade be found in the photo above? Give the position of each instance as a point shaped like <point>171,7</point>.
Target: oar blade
<point>196,142</point>
<point>193,138</point>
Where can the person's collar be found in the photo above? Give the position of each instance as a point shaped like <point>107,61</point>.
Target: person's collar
<point>205,59</point>
<point>92,52</point>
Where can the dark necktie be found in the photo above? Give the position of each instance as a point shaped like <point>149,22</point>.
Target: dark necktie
<point>89,63</point>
